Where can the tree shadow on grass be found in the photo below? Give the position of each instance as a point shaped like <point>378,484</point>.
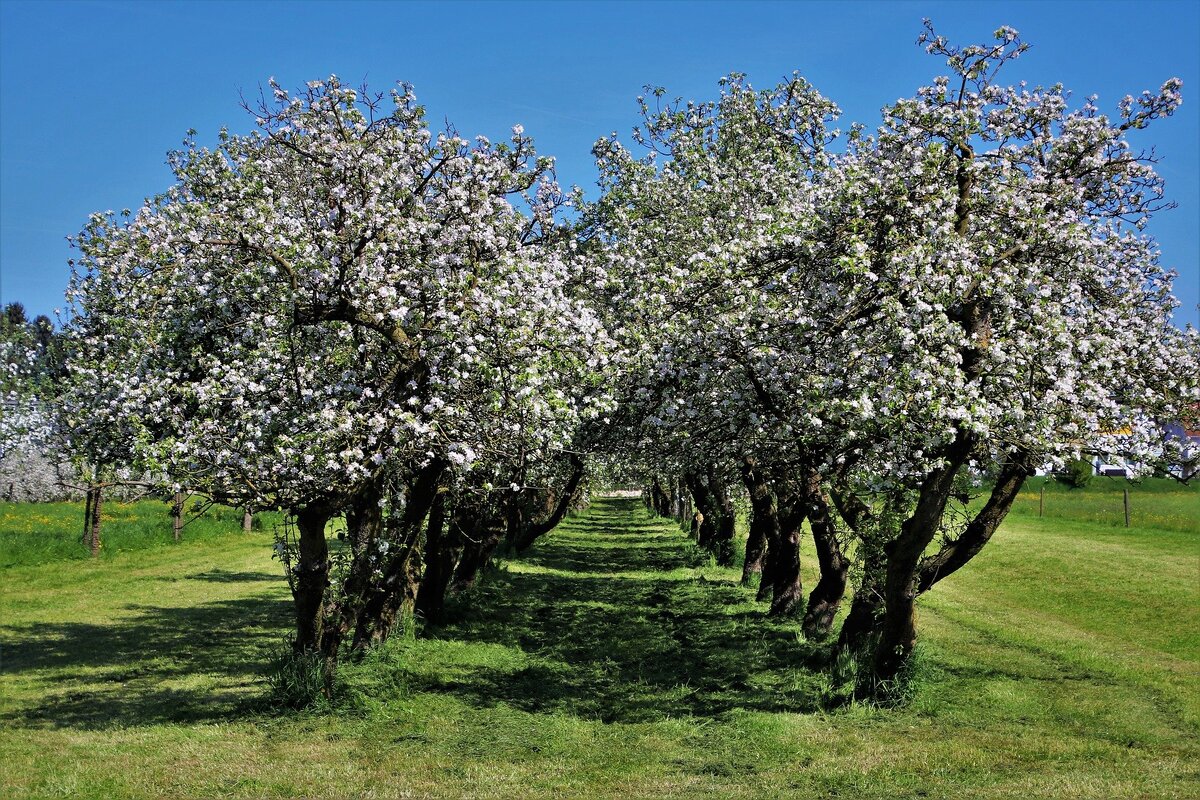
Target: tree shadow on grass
<point>178,665</point>
<point>623,632</point>
<point>224,576</point>
<point>604,617</point>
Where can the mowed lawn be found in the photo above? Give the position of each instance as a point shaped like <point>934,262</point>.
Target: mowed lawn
<point>612,661</point>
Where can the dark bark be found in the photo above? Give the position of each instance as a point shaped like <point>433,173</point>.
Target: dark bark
<point>787,591</point>
<point>364,534</point>
<point>764,519</point>
<point>725,535</point>
<point>722,545</point>
<point>898,631</point>
<point>530,533</point>
<point>827,595</point>
<point>310,578</point>
<point>869,612</point>
<point>766,581</point>
<point>702,524</point>
<point>97,509</point>
<point>177,515</point>
<point>717,522</point>
<point>396,591</point>
<point>87,518</point>
<point>442,547</point>
<point>866,609</point>
<point>477,552</point>
<point>660,502</point>
<point>954,554</point>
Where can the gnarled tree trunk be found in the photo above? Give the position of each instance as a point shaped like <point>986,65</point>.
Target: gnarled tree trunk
<point>95,509</point>
<point>717,517</point>
<point>310,577</point>
<point>396,591</point>
<point>787,591</point>
<point>898,629</point>
<point>443,543</point>
<point>764,519</point>
<point>528,533</point>
<point>831,586</point>
<point>477,553</point>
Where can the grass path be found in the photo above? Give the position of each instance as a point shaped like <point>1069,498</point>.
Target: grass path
<point>610,661</point>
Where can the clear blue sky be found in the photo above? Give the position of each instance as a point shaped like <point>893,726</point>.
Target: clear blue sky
<point>93,94</point>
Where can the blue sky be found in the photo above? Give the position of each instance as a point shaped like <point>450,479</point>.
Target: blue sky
<point>93,94</point>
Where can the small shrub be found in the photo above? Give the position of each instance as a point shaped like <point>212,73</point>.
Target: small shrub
<point>296,680</point>
<point>843,679</point>
<point>1077,474</point>
<point>696,557</point>
<point>853,682</point>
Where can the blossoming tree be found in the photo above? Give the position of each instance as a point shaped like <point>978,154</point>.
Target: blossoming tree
<point>331,316</point>
<point>965,291</point>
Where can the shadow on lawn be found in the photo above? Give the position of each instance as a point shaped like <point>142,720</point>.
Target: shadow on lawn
<point>187,664</point>
<point>615,630</point>
<point>610,624</point>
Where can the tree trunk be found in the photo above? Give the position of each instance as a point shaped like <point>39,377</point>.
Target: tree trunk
<point>97,508</point>
<point>908,577</point>
<point>477,554</point>
<point>396,591</point>
<point>364,534</point>
<point>703,520</point>
<point>764,519</point>
<point>247,521</point>
<point>310,578</point>
<point>398,599</point>
<point>787,591</point>
<point>717,518</point>
<point>443,543</point>
<point>177,516</point>
<point>723,536</point>
<point>660,502</point>
<point>87,518</point>
<point>831,587</point>
<point>898,631</point>
<point>867,606</point>
<point>529,533</point>
<point>956,553</point>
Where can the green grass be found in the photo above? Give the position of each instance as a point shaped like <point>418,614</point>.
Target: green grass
<point>1154,503</point>
<point>46,532</point>
<point>610,661</point>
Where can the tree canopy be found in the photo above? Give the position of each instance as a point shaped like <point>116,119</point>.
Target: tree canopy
<point>346,313</point>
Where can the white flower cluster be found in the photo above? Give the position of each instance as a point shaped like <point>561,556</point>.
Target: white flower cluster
<point>974,268</point>
<point>340,294</point>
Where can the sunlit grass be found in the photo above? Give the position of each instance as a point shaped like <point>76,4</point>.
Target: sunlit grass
<point>1155,503</point>
<point>611,661</point>
<point>37,533</point>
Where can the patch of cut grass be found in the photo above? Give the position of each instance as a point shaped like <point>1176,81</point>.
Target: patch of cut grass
<point>38,533</point>
<point>1154,503</point>
<point>610,661</point>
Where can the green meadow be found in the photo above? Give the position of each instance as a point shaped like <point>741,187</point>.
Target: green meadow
<point>610,661</point>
